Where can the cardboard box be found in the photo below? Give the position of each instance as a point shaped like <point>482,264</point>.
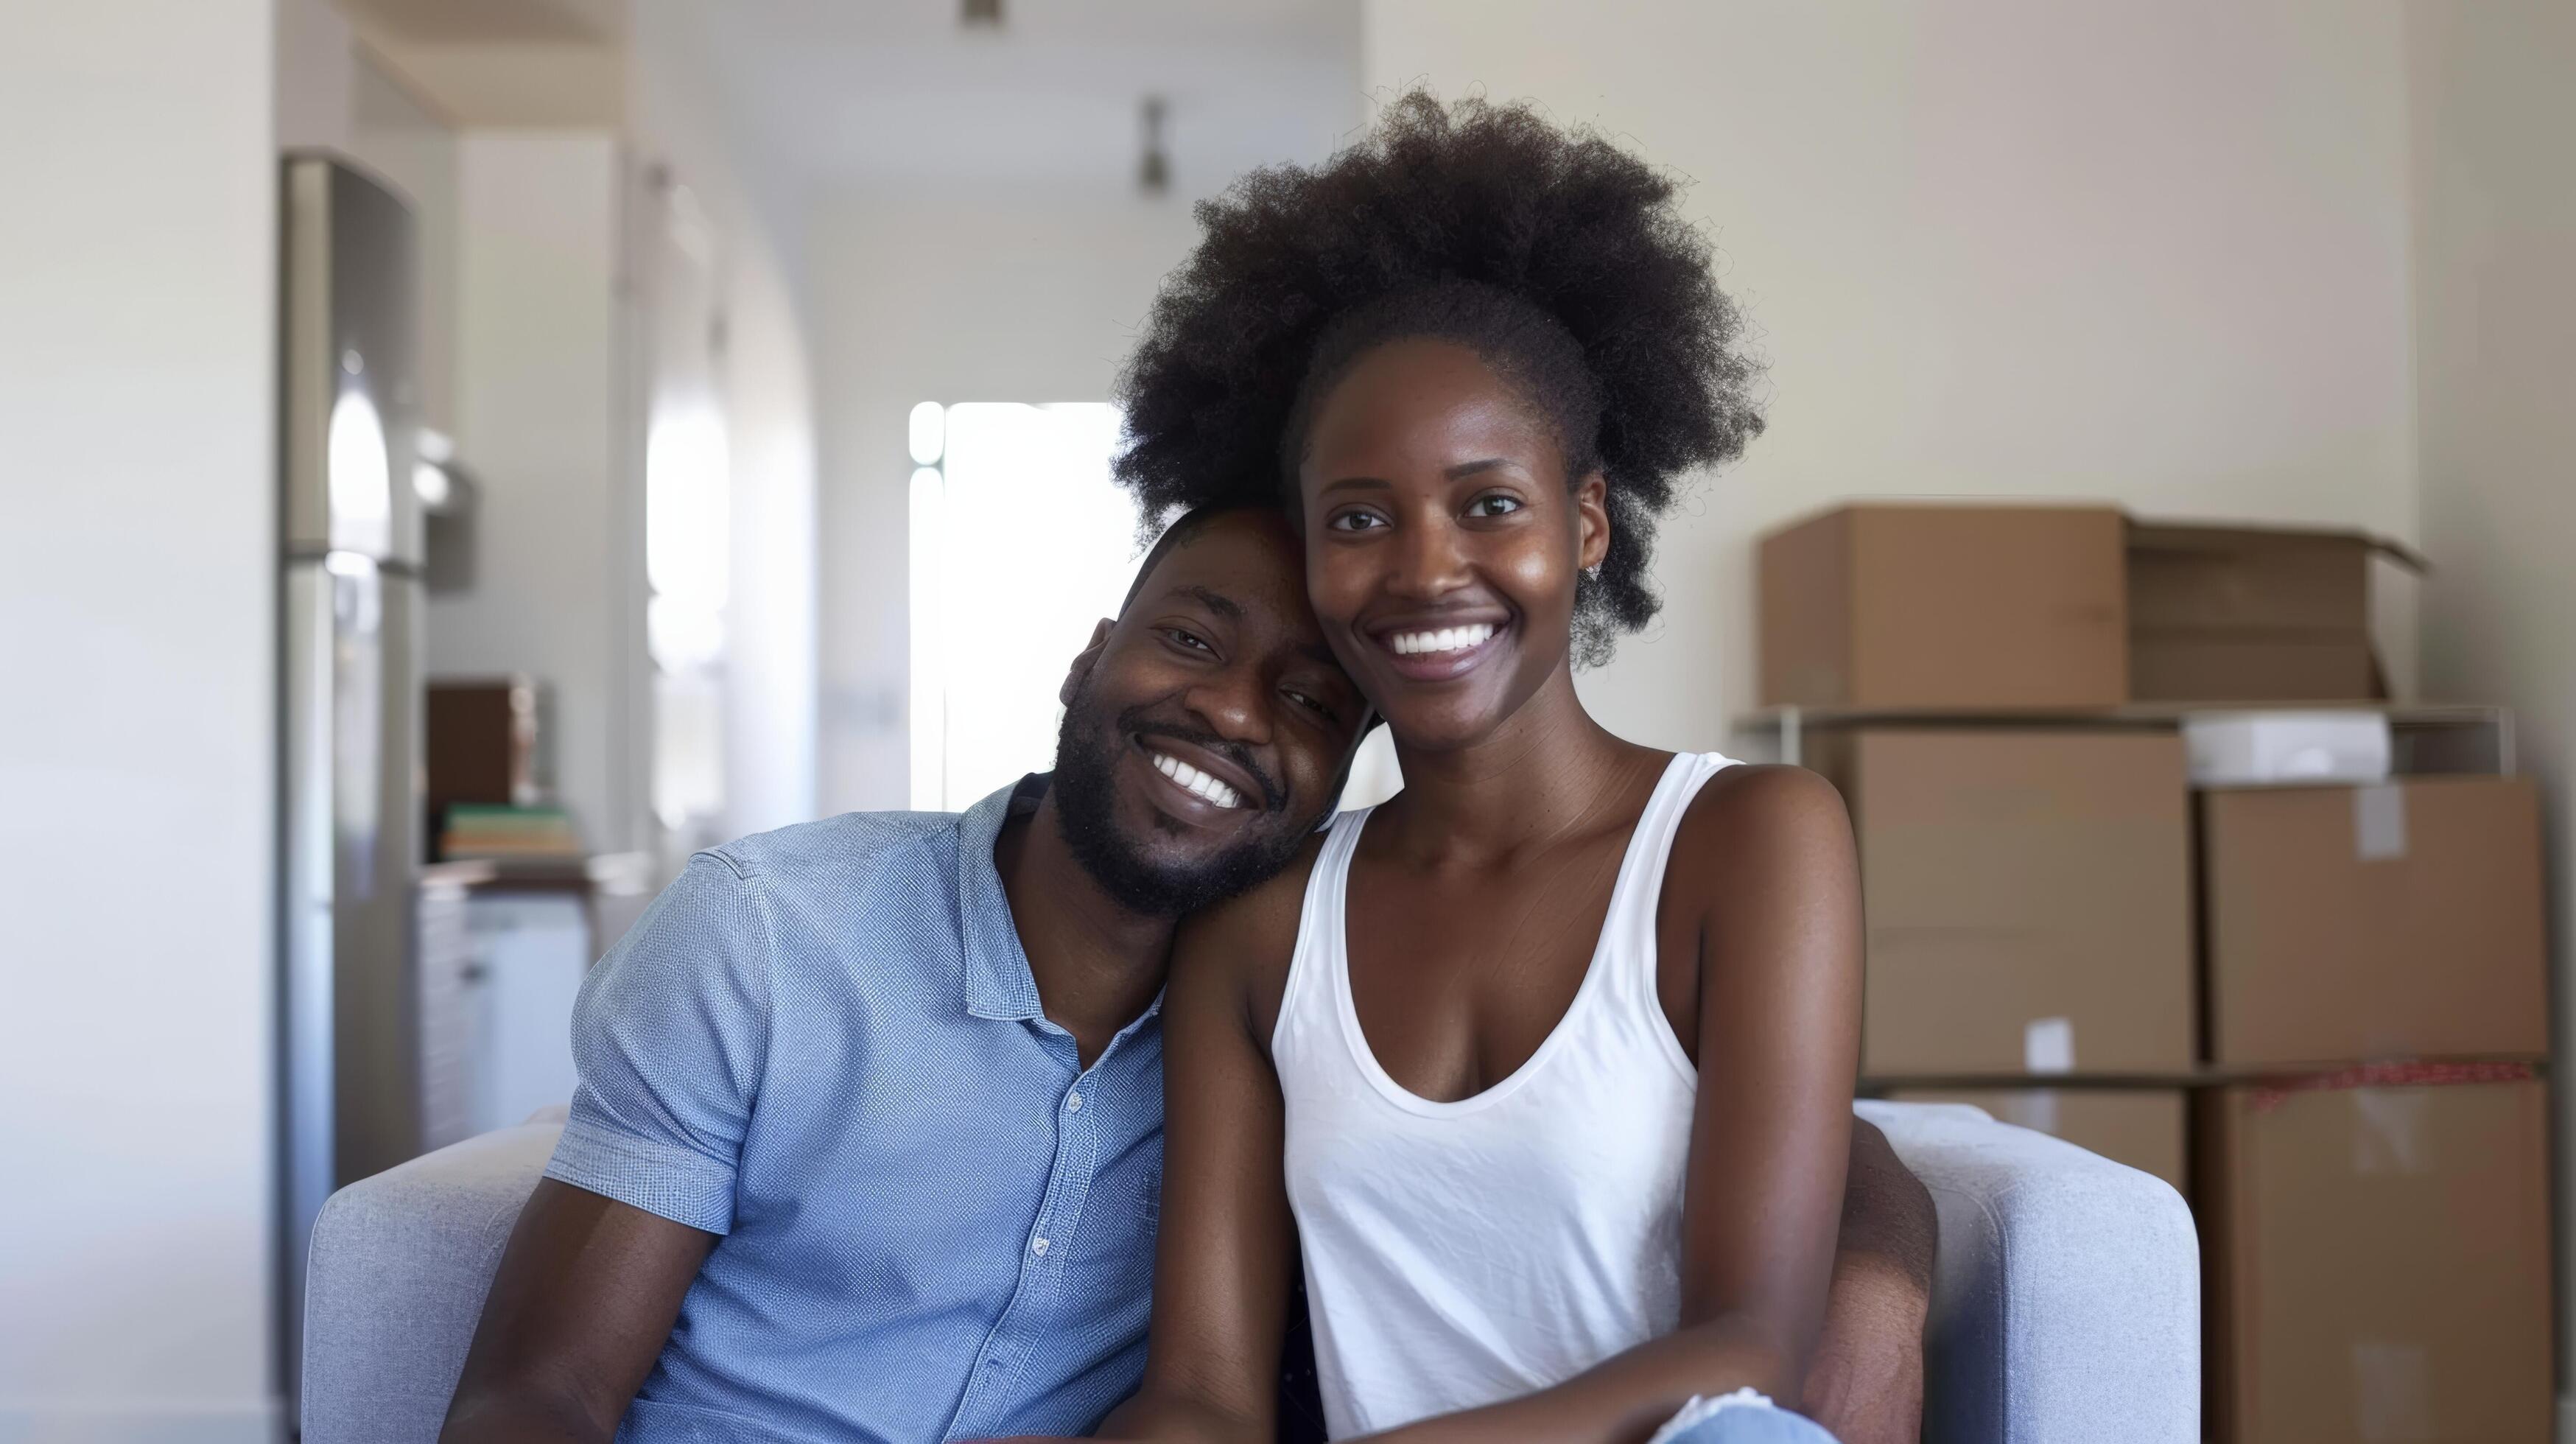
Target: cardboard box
<point>2243,614</point>
<point>2170,667</point>
<point>2397,920</point>
<point>2377,1256</point>
<point>1931,606</point>
<point>2028,895</point>
<point>2141,1127</point>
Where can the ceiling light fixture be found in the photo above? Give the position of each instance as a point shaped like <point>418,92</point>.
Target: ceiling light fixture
<point>1155,173</point>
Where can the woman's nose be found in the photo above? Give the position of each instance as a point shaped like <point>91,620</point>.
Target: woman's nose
<point>1429,562</point>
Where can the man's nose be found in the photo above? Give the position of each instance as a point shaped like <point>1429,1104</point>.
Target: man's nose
<point>1234,703</point>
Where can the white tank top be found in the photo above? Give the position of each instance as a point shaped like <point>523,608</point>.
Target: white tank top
<point>1462,1253</point>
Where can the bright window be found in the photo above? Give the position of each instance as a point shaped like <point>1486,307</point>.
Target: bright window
<point>1020,545</point>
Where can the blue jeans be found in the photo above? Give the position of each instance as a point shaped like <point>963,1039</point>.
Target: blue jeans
<point>1754,1426</point>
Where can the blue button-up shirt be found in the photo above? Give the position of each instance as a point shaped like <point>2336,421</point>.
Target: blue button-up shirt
<point>824,1044</point>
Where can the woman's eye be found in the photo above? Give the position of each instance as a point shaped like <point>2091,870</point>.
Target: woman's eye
<point>1356,521</point>
<point>1494,504</point>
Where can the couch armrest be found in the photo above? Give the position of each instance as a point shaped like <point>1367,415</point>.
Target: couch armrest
<point>399,1267</point>
<point>2066,1299</point>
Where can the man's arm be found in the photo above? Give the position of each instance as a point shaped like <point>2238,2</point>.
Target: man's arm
<point>586,1296</point>
<point>670,1034</point>
<point>1866,1384</point>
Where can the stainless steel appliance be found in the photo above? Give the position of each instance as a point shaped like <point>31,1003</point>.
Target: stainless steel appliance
<point>352,830</point>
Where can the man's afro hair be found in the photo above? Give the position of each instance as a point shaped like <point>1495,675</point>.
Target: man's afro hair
<point>1560,257</point>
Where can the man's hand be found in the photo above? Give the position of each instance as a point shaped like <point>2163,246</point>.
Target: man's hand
<point>1866,1384</point>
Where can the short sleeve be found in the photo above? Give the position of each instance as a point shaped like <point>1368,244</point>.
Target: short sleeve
<point>669,1037</point>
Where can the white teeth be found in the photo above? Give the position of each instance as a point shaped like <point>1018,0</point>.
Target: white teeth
<point>1194,780</point>
<point>1446,639</point>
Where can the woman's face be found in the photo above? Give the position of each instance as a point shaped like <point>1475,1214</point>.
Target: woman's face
<point>1443,542</point>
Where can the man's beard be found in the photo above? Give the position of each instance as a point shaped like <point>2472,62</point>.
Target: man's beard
<point>1086,803</point>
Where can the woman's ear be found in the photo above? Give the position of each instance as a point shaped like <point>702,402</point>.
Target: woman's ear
<point>1084,661</point>
<point>1592,514</point>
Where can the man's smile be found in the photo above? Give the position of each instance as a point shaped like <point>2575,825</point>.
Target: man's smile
<point>1192,780</point>
<point>1199,782</point>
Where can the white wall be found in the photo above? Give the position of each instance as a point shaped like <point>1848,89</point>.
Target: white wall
<point>934,294</point>
<point>137,572</point>
<point>393,135</point>
<point>773,617</point>
<point>317,77</point>
<point>2155,254</point>
<point>2495,373</point>
<point>538,407</point>
<point>680,117</point>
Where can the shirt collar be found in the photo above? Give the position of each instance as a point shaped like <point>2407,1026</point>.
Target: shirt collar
<point>998,981</point>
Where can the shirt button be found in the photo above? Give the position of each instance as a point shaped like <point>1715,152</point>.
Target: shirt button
<point>1038,1247</point>
<point>1073,1104</point>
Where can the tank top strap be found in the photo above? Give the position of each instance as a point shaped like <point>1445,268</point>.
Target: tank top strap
<point>1628,934</point>
<point>1319,954</point>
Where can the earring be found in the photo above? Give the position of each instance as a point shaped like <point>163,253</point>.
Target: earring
<point>1592,573</point>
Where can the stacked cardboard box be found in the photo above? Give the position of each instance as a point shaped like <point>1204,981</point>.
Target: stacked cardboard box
<point>2252,615</point>
<point>2402,919</point>
<point>2376,1249</point>
<point>2028,899</point>
<point>2375,1232</point>
<point>1990,608</point>
<point>2377,1236</point>
<point>1972,608</point>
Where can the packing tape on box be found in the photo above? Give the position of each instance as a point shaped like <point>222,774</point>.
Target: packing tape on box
<point>2390,1139</point>
<point>2392,1392</point>
<point>2272,1092</point>
<point>2379,822</point>
<point>2048,1045</point>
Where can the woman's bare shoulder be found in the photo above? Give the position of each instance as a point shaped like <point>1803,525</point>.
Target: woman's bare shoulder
<point>1249,939</point>
<point>1763,820</point>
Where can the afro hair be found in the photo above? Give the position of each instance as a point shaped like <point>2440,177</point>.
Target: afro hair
<point>1555,254</point>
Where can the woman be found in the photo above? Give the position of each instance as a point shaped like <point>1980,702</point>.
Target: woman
<point>1549,1057</point>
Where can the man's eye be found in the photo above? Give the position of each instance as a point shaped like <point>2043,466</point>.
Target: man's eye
<point>1187,640</point>
<point>1311,704</point>
<point>1494,504</point>
<point>1356,521</point>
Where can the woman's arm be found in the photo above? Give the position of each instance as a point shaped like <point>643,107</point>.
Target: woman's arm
<point>1765,861</point>
<point>1223,1265</point>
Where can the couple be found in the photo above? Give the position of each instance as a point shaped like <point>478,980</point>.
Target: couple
<point>1542,1070</point>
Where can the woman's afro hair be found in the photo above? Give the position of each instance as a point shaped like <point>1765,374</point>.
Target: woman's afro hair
<point>1557,255</point>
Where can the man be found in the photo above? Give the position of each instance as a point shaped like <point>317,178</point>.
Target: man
<point>868,1139</point>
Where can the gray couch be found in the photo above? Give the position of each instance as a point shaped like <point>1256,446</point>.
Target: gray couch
<point>2066,1309</point>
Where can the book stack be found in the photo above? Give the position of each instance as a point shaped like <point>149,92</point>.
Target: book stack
<point>505,833</point>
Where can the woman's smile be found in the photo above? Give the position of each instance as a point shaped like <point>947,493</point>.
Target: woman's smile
<point>1439,648</point>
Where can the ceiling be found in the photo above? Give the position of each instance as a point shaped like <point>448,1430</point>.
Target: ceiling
<point>847,92</point>
<point>453,22</point>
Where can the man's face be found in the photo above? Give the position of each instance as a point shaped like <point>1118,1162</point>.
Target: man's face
<point>1207,730</point>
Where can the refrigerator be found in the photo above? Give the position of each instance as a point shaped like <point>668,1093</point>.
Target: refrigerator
<point>350,1000</point>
